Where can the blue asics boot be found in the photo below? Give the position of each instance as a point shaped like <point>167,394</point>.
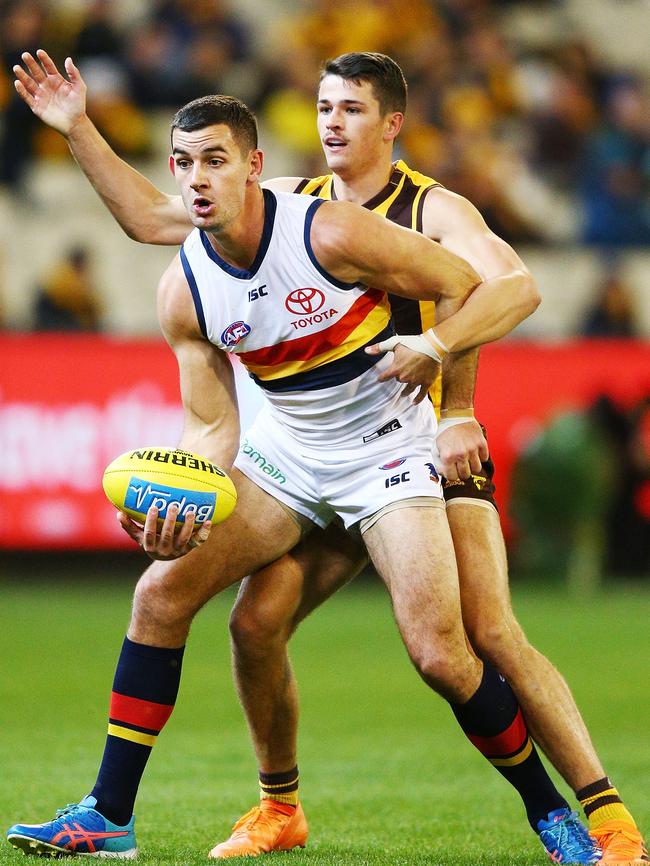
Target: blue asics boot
<point>77,829</point>
<point>566,839</point>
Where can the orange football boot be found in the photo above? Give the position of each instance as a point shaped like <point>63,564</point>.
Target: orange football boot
<point>271,826</point>
<point>621,843</point>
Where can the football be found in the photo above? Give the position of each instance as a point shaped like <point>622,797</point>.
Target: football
<point>138,479</point>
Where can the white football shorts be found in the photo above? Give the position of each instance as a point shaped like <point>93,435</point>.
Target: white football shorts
<point>391,461</point>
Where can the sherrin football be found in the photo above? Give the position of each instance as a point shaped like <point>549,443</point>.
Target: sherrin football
<point>136,480</point>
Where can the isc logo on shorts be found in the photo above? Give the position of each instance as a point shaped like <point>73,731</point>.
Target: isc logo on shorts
<point>141,495</point>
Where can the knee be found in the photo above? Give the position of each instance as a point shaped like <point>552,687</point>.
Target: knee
<point>501,641</point>
<point>254,629</point>
<point>448,668</point>
<point>159,608</point>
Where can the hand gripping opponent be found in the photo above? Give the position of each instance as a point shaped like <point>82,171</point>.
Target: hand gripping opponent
<point>427,344</point>
<point>415,363</point>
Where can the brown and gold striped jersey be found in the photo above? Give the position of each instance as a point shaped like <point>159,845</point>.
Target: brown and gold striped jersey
<point>402,202</point>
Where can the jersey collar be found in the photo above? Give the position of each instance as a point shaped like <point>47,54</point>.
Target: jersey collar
<point>381,196</point>
<point>270,207</point>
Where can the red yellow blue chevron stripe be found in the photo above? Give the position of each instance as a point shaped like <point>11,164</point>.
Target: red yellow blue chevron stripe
<point>367,317</point>
<point>509,748</point>
<point>137,720</point>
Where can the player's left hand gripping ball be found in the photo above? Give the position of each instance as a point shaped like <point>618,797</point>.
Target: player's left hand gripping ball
<point>164,477</point>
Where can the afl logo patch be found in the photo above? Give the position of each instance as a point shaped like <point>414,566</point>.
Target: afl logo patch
<point>304,301</point>
<point>234,333</point>
<point>394,463</point>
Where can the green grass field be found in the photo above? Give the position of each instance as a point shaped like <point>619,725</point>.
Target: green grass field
<point>387,778</point>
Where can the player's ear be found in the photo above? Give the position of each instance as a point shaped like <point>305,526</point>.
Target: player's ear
<point>172,165</point>
<point>255,165</point>
<point>393,124</point>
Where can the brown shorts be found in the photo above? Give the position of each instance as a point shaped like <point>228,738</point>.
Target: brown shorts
<point>479,488</point>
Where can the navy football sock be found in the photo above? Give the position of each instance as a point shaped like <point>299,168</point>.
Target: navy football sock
<point>492,720</point>
<point>144,692</point>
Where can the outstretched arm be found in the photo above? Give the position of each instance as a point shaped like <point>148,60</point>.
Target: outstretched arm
<point>145,213</point>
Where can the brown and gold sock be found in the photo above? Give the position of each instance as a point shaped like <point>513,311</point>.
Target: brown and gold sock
<point>281,787</point>
<point>601,803</point>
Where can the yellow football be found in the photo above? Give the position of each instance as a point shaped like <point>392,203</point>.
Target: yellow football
<point>138,479</point>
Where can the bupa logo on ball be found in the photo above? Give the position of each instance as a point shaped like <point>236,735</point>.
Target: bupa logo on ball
<point>235,333</point>
<point>141,495</point>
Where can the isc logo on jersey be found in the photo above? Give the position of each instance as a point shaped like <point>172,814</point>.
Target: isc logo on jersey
<point>142,494</point>
<point>308,305</point>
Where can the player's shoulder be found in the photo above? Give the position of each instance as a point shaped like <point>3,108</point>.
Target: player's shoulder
<point>175,304</point>
<point>282,184</point>
<point>313,186</point>
<point>444,211</point>
<point>417,178</point>
<point>320,186</point>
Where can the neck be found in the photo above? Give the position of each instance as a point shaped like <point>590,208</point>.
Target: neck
<point>359,187</point>
<point>238,242</point>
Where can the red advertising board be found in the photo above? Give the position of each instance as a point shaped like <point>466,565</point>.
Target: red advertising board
<point>522,386</point>
<point>69,404</point>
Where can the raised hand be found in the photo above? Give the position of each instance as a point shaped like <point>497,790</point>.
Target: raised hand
<point>59,102</point>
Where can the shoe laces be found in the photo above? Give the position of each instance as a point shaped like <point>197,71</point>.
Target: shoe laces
<point>620,840</point>
<point>572,838</point>
<point>69,809</point>
<point>255,816</point>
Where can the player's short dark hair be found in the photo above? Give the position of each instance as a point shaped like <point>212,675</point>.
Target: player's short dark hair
<point>387,79</point>
<point>211,110</point>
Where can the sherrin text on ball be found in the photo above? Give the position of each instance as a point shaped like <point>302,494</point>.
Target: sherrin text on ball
<point>138,479</point>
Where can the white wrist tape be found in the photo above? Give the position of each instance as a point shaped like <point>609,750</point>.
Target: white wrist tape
<point>422,343</point>
<point>446,423</point>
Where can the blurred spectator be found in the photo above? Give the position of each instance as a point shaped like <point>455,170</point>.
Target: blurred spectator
<point>550,141</point>
<point>110,106</point>
<point>99,35</point>
<point>188,19</point>
<point>628,515</point>
<point>616,180</point>
<point>289,110</point>
<point>184,50</point>
<point>21,29</point>
<point>152,65</point>
<point>66,300</point>
<point>562,531</point>
<point>613,314</point>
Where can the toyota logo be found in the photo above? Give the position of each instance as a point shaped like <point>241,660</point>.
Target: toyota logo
<point>304,301</point>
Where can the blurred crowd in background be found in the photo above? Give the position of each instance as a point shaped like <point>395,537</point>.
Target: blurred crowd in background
<point>511,104</point>
<point>513,125</point>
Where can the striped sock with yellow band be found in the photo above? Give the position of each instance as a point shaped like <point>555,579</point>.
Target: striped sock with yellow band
<point>493,722</point>
<point>281,787</point>
<point>601,802</point>
<point>143,697</point>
